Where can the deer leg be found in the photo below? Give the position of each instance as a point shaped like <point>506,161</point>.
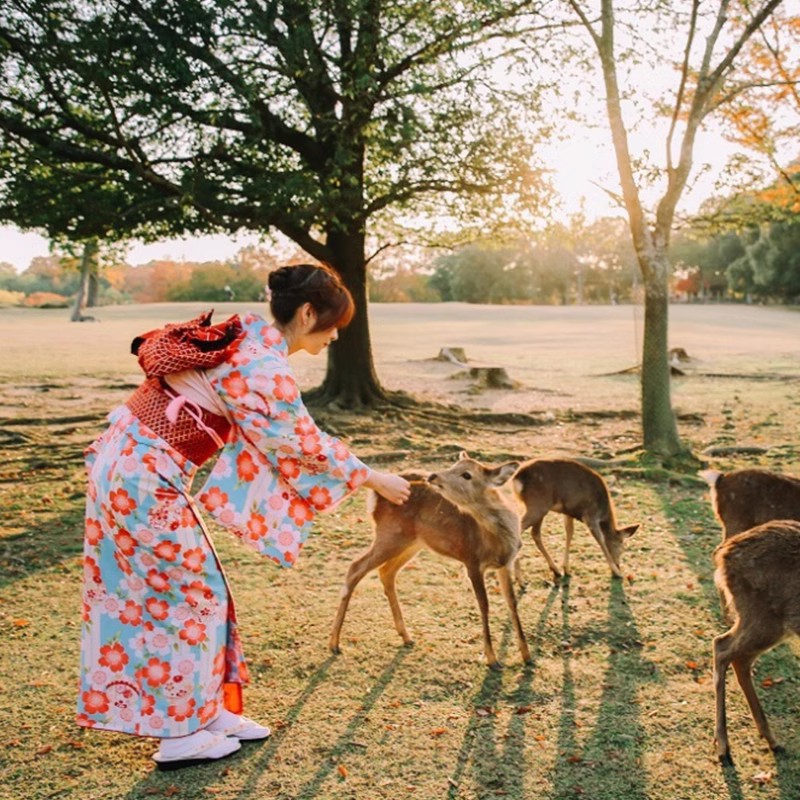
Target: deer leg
<point>597,532</point>
<point>721,647</point>
<point>479,587</point>
<point>743,667</point>
<point>518,570</point>
<point>536,532</point>
<point>511,601</point>
<point>381,551</point>
<point>569,530</point>
<point>388,573</point>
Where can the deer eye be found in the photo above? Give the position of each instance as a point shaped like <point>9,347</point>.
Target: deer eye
<point>466,476</point>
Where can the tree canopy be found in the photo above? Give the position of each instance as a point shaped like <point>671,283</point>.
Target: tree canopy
<point>315,119</point>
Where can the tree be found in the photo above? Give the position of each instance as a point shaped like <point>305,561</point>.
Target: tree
<point>315,119</point>
<point>81,210</point>
<point>766,120</point>
<point>712,43</point>
<point>769,268</point>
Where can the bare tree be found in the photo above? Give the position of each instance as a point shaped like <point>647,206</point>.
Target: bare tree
<point>711,43</point>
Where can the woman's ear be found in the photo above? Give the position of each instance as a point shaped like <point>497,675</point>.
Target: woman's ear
<point>308,316</point>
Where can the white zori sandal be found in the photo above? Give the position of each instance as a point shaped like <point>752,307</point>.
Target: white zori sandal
<point>198,748</point>
<point>238,727</point>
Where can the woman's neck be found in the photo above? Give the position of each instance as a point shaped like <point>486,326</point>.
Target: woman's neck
<point>290,334</point>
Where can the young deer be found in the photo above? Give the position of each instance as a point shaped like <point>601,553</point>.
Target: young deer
<point>758,572</point>
<point>745,498</point>
<point>458,513</point>
<point>578,492</point>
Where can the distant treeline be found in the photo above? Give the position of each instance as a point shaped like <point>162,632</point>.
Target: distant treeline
<point>594,264</point>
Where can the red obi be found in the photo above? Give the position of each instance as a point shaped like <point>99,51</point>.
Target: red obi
<point>149,404</point>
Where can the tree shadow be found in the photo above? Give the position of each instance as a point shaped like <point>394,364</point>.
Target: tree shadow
<point>259,763</point>
<point>608,765</point>
<point>342,745</point>
<point>42,546</point>
<point>500,770</point>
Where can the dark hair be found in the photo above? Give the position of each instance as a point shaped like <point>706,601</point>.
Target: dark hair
<point>291,287</point>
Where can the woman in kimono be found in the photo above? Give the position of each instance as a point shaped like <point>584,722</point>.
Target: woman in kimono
<point>160,652</point>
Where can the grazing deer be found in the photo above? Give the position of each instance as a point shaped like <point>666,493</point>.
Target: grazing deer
<point>578,492</point>
<point>758,572</point>
<point>745,498</point>
<point>458,513</point>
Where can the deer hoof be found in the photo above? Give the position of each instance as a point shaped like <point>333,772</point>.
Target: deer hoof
<point>496,666</point>
<point>335,649</point>
<point>408,643</point>
<point>725,760</point>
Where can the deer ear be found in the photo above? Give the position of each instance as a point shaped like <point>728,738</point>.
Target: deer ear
<point>463,455</point>
<point>504,472</point>
<point>710,476</point>
<point>630,530</point>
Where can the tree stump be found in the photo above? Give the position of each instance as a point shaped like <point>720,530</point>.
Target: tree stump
<point>492,377</point>
<point>455,355</point>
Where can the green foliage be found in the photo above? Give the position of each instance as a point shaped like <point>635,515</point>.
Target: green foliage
<point>769,269</point>
<point>592,264</point>
<point>755,263</point>
<point>185,116</point>
<point>219,282</point>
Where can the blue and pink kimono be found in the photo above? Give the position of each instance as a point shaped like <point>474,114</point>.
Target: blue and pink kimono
<point>160,653</point>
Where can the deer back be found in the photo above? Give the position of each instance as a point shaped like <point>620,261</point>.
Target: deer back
<point>566,486</point>
<point>758,571</point>
<point>745,498</point>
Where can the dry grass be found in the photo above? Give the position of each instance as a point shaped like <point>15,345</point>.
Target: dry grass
<point>618,702</point>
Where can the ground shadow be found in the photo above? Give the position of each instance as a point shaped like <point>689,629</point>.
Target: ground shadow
<point>500,770</point>
<point>53,540</point>
<point>155,782</point>
<point>779,701</point>
<point>608,764</point>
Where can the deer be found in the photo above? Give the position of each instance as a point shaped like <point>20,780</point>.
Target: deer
<point>577,492</point>
<point>758,573</point>
<point>744,498</point>
<point>459,513</point>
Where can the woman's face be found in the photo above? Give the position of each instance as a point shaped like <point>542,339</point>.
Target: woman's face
<point>316,342</point>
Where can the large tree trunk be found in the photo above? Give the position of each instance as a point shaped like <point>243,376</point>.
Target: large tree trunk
<point>659,427</point>
<point>351,380</point>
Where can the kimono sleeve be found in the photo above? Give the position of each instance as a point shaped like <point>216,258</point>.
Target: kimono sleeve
<point>280,469</point>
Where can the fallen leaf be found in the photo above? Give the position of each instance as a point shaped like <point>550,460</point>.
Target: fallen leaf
<point>21,623</point>
<point>438,731</point>
<point>691,664</point>
<point>524,709</point>
<point>342,770</point>
<point>44,750</point>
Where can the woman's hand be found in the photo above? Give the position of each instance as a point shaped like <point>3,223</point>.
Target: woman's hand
<point>394,488</point>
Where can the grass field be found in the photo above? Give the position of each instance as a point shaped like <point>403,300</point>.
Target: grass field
<point>618,702</point>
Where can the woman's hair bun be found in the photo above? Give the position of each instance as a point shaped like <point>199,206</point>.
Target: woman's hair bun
<point>281,279</point>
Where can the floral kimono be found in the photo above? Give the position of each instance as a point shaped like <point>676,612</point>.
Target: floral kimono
<point>160,653</point>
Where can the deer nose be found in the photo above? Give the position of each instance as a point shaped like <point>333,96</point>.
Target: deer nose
<point>432,477</point>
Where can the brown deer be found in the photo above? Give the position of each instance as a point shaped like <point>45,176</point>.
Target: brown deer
<point>758,572</point>
<point>578,492</point>
<point>745,498</point>
<point>458,513</point>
